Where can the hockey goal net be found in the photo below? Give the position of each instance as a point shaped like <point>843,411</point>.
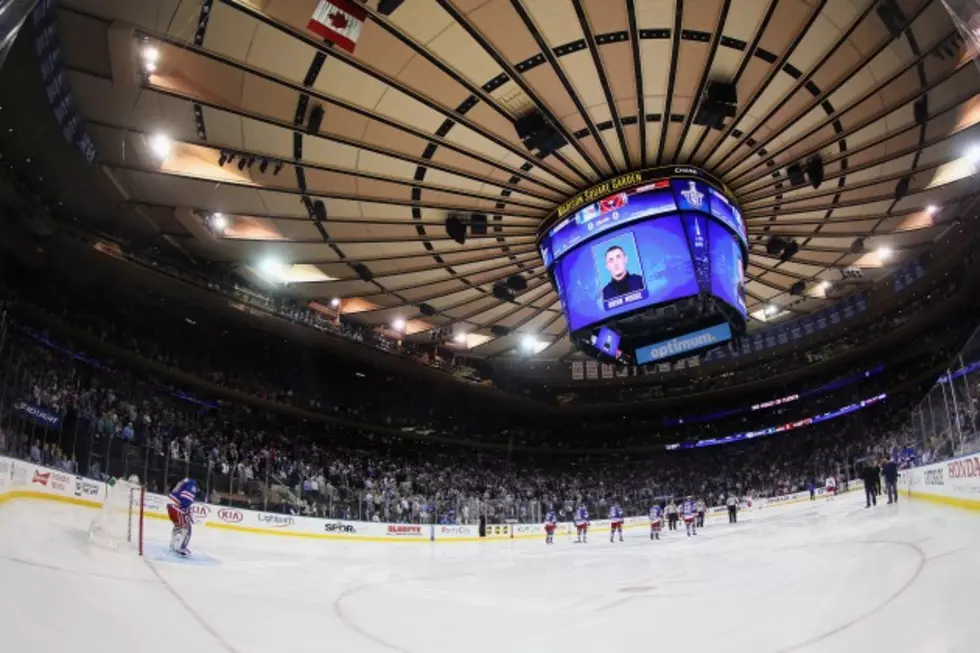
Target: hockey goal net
<point>119,524</point>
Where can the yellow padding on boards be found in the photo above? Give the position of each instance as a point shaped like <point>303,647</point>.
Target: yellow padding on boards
<point>955,502</point>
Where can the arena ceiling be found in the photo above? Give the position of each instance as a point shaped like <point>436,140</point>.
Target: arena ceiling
<point>418,122</point>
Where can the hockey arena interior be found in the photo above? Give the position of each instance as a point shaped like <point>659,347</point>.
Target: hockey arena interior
<point>432,326</point>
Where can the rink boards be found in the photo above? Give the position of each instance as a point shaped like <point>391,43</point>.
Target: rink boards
<point>955,482</point>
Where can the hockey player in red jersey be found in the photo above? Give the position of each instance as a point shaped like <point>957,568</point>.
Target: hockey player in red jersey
<point>615,522</point>
<point>582,525</point>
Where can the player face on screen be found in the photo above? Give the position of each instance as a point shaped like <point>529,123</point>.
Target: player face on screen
<point>616,262</point>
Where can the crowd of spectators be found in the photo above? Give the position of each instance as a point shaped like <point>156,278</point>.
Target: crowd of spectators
<point>118,420</point>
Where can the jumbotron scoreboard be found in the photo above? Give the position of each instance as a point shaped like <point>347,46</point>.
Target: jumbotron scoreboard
<point>649,266</point>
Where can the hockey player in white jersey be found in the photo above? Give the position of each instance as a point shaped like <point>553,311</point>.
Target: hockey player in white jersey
<point>615,522</point>
<point>550,521</point>
<point>656,521</point>
<point>582,525</point>
<point>689,513</point>
<point>831,486</point>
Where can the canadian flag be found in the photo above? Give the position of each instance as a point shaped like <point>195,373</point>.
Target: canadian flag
<point>338,21</point>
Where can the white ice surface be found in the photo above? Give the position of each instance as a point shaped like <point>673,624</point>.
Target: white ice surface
<point>821,577</point>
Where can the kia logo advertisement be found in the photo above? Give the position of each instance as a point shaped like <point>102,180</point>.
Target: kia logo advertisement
<point>276,521</point>
<point>200,511</point>
<point>230,515</point>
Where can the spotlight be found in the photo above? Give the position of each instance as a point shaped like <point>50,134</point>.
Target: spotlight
<point>398,324</point>
<point>149,67</point>
<point>264,165</point>
<point>826,286</point>
<point>161,145</point>
<point>460,338</point>
<point>335,302</point>
<point>219,222</point>
<point>224,158</point>
<point>276,170</point>
<point>241,163</point>
<point>149,54</point>
<point>973,155</point>
<point>884,253</point>
<point>273,268</point>
<point>932,209</point>
<point>770,310</point>
<point>529,343</point>
<point>250,162</point>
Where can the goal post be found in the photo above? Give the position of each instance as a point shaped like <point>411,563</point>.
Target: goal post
<point>119,524</point>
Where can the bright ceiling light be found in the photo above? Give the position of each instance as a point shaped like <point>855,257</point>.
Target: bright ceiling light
<point>884,253</point>
<point>150,67</point>
<point>529,342</point>
<point>770,309</point>
<point>398,324</point>
<point>460,338</point>
<point>826,285</point>
<point>161,144</point>
<point>219,221</point>
<point>273,268</point>
<point>973,155</point>
<point>932,209</point>
<point>335,302</point>
<point>150,54</point>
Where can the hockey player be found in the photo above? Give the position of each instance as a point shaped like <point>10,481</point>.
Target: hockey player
<point>181,500</point>
<point>831,486</point>
<point>689,513</point>
<point>582,525</point>
<point>656,521</point>
<point>702,508</point>
<point>615,522</point>
<point>549,527</point>
<point>671,511</point>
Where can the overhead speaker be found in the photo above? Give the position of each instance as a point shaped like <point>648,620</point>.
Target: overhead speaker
<point>456,229</point>
<point>795,174</point>
<point>537,133</point>
<point>798,288</point>
<point>426,309</point>
<point>387,7</point>
<point>775,246</point>
<point>517,283</point>
<point>921,110</point>
<point>789,251</point>
<point>319,211</point>
<point>722,92</point>
<point>814,170</point>
<point>363,272</point>
<point>502,292</point>
<point>718,102</point>
<point>316,120</point>
<point>892,17</point>
<point>478,224</point>
<point>499,331</point>
<point>857,247</point>
<point>902,188</point>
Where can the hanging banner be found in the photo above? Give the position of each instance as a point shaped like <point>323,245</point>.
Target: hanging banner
<point>38,415</point>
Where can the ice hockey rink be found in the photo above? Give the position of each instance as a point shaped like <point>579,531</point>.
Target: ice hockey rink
<point>814,577</point>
